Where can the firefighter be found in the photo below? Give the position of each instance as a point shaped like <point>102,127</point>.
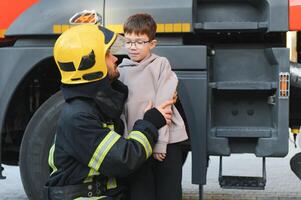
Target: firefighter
<point>89,158</point>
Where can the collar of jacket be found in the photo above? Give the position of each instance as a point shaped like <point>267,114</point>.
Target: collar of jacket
<point>109,100</point>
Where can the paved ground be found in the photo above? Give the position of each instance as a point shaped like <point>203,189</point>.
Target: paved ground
<point>281,182</point>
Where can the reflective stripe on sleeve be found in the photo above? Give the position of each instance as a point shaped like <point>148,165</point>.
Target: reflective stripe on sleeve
<point>142,139</point>
<point>90,176</point>
<point>51,159</point>
<point>110,126</point>
<point>103,149</point>
<point>112,183</point>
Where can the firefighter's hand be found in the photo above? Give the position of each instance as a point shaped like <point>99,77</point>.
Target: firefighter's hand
<point>159,156</point>
<point>165,109</point>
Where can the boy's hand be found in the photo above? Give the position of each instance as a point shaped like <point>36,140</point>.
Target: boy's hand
<point>159,156</point>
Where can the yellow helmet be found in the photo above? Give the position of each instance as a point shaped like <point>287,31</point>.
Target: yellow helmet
<point>80,53</point>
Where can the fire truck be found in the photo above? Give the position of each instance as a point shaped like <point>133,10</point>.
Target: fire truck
<point>239,83</point>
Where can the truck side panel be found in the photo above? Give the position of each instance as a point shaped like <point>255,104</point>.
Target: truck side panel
<point>194,100</point>
<point>16,63</point>
<point>242,15</point>
<point>53,17</point>
<point>193,93</point>
<point>248,115</point>
<point>171,16</point>
<point>10,10</point>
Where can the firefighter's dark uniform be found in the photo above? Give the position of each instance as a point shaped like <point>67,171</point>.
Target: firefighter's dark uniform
<point>88,147</point>
<point>89,157</point>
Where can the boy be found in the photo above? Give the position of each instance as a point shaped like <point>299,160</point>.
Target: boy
<point>149,76</point>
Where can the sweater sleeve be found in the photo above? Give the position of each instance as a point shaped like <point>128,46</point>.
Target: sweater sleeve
<point>167,84</point>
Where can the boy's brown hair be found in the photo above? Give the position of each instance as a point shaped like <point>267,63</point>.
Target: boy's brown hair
<point>141,23</point>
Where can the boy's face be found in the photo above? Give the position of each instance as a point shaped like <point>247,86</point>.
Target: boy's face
<point>138,46</point>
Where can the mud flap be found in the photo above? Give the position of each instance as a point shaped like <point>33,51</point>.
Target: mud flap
<point>296,164</point>
<point>1,169</point>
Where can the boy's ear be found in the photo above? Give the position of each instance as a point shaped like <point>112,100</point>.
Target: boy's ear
<point>153,44</point>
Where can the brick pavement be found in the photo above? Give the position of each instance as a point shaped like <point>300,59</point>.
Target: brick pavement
<point>282,184</point>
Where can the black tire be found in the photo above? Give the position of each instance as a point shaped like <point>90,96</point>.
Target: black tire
<point>36,142</point>
<point>295,164</point>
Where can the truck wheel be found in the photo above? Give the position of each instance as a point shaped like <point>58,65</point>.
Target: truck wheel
<point>36,142</point>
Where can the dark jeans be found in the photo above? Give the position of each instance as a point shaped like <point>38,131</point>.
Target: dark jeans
<point>157,180</point>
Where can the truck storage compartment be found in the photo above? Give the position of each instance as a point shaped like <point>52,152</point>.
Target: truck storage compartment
<point>246,103</point>
<point>243,113</point>
<point>225,15</point>
<point>243,68</point>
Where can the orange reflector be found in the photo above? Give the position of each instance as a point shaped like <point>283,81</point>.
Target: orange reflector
<point>85,17</point>
<point>284,78</point>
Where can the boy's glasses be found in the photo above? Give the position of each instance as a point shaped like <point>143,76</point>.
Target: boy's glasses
<point>139,44</point>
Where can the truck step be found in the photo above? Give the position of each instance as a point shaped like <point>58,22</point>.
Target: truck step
<point>242,182</point>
